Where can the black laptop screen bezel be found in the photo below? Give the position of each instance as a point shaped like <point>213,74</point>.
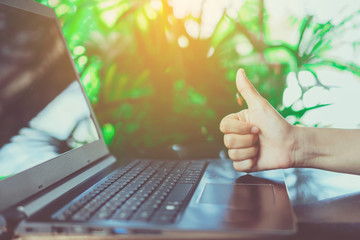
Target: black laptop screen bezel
<point>20,186</point>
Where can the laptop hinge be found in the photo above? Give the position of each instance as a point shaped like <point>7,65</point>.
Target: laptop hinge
<point>9,222</point>
<point>35,205</point>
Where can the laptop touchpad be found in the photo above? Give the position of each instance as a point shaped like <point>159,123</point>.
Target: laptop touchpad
<point>246,202</point>
<point>239,196</point>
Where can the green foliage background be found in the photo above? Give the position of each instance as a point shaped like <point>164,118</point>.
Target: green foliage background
<point>149,92</point>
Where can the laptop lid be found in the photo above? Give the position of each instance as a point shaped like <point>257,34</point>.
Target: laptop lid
<point>47,128</point>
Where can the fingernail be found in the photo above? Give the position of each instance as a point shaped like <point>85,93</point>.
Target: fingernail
<point>241,70</point>
<point>254,130</point>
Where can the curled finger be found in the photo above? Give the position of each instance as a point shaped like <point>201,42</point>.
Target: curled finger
<point>244,166</point>
<point>243,153</point>
<point>240,141</point>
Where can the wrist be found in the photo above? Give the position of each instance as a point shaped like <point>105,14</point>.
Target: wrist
<point>298,150</point>
<point>310,148</point>
<point>328,149</point>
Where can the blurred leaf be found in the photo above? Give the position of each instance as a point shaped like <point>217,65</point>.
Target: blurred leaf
<point>108,131</point>
<point>299,114</point>
<point>350,67</point>
<point>154,83</point>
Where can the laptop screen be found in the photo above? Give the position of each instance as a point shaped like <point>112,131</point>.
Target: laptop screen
<point>43,111</point>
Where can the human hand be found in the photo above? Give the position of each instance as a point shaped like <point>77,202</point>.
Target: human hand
<point>258,138</point>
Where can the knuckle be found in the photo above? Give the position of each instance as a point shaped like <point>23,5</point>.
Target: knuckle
<point>243,128</point>
<point>243,166</point>
<point>263,103</point>
<point>223,126</point>
<point>249,153</point>
<point>248,165</point>
<point>233,154</point>
<point>230,154</point>
<point>236,166</point>
<point>254,151</point>
<point>254,139</point>
<point>228,141</point>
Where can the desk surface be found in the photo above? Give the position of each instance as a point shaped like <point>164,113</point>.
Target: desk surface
<point>327,205</point>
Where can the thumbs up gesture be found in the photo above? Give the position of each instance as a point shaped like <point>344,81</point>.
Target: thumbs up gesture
<point>258,138</point>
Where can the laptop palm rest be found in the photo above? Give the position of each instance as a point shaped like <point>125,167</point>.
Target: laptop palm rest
<point>229,201</point>
<point>241,203</point>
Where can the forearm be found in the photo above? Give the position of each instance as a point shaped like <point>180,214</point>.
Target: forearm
<point>326,148</point>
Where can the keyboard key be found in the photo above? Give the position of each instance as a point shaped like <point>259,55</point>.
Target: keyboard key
<point>123,215</point>
<point>143,215</point>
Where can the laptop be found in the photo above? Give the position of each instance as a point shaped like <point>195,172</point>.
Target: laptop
<point>58,174</point>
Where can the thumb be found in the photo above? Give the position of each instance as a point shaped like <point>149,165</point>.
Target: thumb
<point>247,90</point>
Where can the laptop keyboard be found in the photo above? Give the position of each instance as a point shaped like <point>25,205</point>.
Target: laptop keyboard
<point>143,190</point>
